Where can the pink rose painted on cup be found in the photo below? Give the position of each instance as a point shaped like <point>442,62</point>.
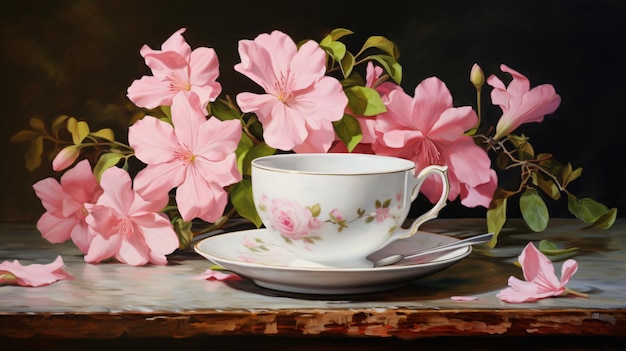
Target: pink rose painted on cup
<point>292,219</point>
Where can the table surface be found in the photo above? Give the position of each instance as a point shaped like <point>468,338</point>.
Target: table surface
<point>111,300</point>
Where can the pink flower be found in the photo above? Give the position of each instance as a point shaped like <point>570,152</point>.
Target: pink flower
<point>128,227</point>
<point>519,103</point>
<point>291,219</point>
<point>34,274</point>
<point>196,156</point>
<point>301,102</point>
<point>66,157</point>
<point>429,131</point>
<point>176,71</point>
<point>382,213</point>
<point>64,202</point>
<point>541,282</point>
<point>337,214</point>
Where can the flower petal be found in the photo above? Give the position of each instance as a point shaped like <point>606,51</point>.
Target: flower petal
<point>35,274</point>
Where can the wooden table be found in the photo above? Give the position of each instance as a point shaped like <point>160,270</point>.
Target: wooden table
<point>116,306</point>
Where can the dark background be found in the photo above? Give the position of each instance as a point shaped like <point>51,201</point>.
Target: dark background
<point>77,57</point>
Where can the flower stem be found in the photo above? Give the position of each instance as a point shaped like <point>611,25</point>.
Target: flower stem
<point>569,291</point>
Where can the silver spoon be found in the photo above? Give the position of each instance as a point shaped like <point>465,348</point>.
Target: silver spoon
<point>392,259</point>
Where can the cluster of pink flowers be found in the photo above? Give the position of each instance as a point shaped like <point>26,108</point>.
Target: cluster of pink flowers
<point>193,154</point>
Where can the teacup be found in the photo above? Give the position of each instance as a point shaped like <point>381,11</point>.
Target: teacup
<point>336,209</point>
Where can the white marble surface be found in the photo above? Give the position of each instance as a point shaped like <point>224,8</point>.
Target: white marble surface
<point>115,287</point>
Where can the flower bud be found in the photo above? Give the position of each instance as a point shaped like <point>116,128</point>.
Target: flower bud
<point>65,157</point>
<point>477,77</point>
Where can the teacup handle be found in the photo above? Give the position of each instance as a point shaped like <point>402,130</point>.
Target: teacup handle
<point>442,172</point>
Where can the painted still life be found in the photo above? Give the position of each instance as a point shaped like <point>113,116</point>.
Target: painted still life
<point>285,160</point>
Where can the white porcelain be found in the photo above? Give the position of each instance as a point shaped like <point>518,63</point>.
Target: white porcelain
<point>336,209</point>
<point>256,254</point>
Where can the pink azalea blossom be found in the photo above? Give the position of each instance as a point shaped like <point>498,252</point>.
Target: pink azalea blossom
<point>196,155</point>
<point>428,130</point>
<point>64,202</point>
<point>541,282</point>
<point>300,101</point>
<point>519,103</point>
<point>177,70</point>
<point>127,227</point>
<point>33,275</point>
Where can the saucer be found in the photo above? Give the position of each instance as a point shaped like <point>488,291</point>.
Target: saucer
<point>257,255</point>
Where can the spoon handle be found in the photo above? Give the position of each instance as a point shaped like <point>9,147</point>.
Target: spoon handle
<point>478,239</point>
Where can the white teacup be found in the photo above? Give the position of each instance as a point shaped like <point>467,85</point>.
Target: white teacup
<point>336,209</point>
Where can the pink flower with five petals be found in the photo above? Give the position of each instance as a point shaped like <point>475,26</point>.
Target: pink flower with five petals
<point>64,202</point>
<point>300,102</point>
<point>519,103</point>
<point>126,226</point>
<point>196,155</point>
<point>177,70</point>
<point>541,282</point>
<point>428,130</point>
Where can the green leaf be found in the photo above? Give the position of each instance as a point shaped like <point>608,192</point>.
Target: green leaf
<point>183,229</point>
<point>106,161</point>
<point>547,185</point>
<point>105,133</point>
<point>353,79</point>
<point>534,210</point>
<point>58,124</point>
<point>316,210</point>
<point>243,201</point>
<point>390,65</point>
<point>37,124</point>
<point>551,249</point>
<point>78,129</point>
<point>349,131</point>
<point>586,209</point>
<point>33,154</point>
<point>224,111</point>
<point>382,43</point>
<point>496,218</point>
<point>257,150</point>
<point>339,33</point>
<point>23,135</point>
<point>500,196</point>
<point>606,220</point>
<point>347,64</point>
<point>167,111</point>
<point>336,49</point>
<point>245,144</point>
<point>364,101</point>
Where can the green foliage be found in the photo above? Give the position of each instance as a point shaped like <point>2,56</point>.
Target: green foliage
<point>106,161</point>
<point>496,218</point>
<point>348,130</point>
<point>534,210</point>
<point>242,200</point>
<point>591,211</point>
<point>551,249</point>
<point>364,101</point>
<point>184,232</point>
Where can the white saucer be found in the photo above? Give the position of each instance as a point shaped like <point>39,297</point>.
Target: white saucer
<point>256,255</point>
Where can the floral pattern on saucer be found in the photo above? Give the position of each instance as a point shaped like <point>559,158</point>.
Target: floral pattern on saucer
<point>256,254</point>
